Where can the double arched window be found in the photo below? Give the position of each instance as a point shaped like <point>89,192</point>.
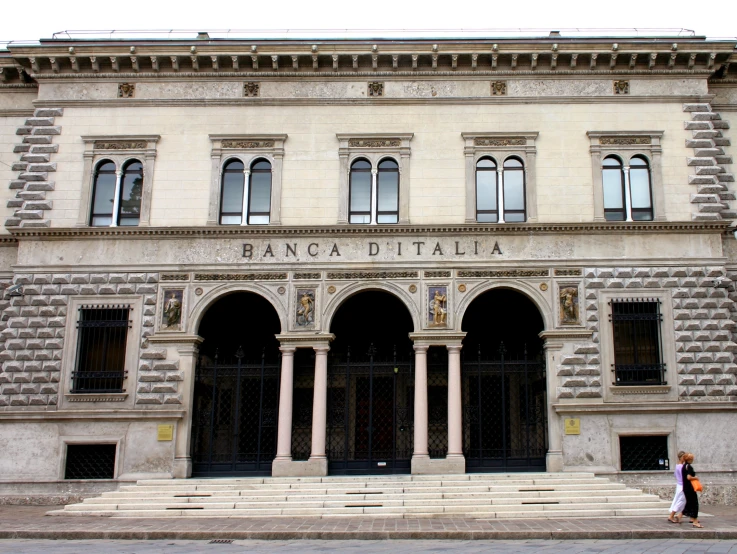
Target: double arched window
<point>500,192</point>
<point>374,193</point>
<point>627,189</point>
<point>116,194</point>
<point>245,197</point>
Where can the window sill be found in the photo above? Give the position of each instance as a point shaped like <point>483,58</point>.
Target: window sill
<point>97,397</point>
<point>641,389</point>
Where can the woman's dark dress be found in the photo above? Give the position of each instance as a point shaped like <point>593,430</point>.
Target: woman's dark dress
<point>692,500</point>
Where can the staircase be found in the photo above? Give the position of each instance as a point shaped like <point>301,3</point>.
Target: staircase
<point>520,495</point>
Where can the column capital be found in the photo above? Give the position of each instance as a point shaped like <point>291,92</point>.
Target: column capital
<point>303,340</point>
<point>454,347</point>
<point>555,339</point>
<point>420,347</point>
<point>287,350</point>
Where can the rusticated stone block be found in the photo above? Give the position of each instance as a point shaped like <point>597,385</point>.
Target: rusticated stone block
<point>151,376</point>
<point>18,400</point>
<point>88,289</point>
<point>145,289</point>
<point>136,277</point>
<point>46,131</point>
<point>107,289</point>
<point>153,354</point>
<point>173,399</point>
<point>150,399</point>
<point>164,388</point>
<point>175,376</point>
<point>48,112</point>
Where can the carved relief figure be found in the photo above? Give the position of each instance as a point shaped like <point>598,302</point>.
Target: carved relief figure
<point>306,308</point>
<point>438,306</point>
<point>569,305</point>
<point>172,313</point>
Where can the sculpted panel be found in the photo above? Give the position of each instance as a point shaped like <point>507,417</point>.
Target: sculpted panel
<point>550,87</point>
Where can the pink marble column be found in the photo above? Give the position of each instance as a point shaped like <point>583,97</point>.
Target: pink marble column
<point>420,422</point>
<point>319,403</point>
<point>286,391</point>
<point>455,415</point>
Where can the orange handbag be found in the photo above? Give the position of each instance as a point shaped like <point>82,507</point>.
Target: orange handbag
<point>697,486</point>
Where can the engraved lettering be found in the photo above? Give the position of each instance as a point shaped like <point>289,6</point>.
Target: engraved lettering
<point>268,251</point>
<point>309,249</point>
<point>437,249</point>
<point>292,249</point>
<point>373,248</point>
<point>399,249</point>
<point>496,249</point>
<point>457,252</point>
<point>476,247</point>
<point>247,250</point>
<point>419,246</point>
<point>335,250</point>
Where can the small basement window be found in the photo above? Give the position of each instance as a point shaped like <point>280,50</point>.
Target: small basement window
<point>644,453</point>
<point>90,461</point>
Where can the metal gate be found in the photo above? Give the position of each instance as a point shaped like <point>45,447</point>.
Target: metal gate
<point>235,416</point>
<point>370,413</point>
<point>504,413</point>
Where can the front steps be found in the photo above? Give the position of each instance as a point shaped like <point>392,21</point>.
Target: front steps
<point>479,496</point>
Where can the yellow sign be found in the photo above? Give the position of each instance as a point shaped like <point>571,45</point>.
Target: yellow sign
<point>573,426</point>
<point>166,432</point>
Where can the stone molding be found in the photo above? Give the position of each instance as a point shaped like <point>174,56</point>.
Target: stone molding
<point>687,227</point>
<point>649,407</point>
<point>711,178</point>
<point>96,397</point>
<point>114,414</point>
<point>29,203</point>
<point>640,390</point>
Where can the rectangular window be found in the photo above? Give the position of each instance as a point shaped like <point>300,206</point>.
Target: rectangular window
<point>637,346</point>
<point>90,461</point>
<point>101,342</point>
<point>644,453</point>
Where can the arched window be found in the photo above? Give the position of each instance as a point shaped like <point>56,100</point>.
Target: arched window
<point>486,191</point>
<point>131,190</point>
<point>387,192</point>
<point>116,196</point>
<point>103,194</point>
<point>359,204</point>
<point>640,189</point>
<point>231,198</point>
<point>612,175</point>
<point>514,190</point>
<point>627,189</point>
<point>246,201</point>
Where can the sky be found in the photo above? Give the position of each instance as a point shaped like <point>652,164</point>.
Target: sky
<point>22,21</point>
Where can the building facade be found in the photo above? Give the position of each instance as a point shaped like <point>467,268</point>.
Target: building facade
<point>285,257</point>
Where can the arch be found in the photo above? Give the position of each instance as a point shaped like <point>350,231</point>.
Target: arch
<point>515,194</point>
<point>612,178</point>
<point>232,188</point>
<point>360,187</point>
<point>131,192</point>
<point>487,193</point>
<point>198,311</point>
<point>258,207</point>
<point>387,191</point>
<point>527,289</point>
<point>104,184</point>
<point>334,304</point>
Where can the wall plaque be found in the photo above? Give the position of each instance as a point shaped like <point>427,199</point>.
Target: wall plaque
<point>573,426</point>
<point>165,433</point>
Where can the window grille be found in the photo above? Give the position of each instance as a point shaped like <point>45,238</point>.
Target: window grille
<point>90,461</point>
<point>644,453</point>
<point>101,345</point>
<point>637,344</point>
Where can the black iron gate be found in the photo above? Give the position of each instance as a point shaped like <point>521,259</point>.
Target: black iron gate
<point>235,416</point>
<point>504,412</point>
<point>370,413</point>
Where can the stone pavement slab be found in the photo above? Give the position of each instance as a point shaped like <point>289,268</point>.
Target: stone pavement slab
<point>30,522</point>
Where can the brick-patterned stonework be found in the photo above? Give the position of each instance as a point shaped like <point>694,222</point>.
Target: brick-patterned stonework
<point>35,328</point>
<point>703,327</point>
<point>711,177</point>
<point>35,164</point>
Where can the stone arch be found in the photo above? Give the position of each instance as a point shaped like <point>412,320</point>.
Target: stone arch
<point>529,290</point>
<point>201,306</point>
<point>334,304</point>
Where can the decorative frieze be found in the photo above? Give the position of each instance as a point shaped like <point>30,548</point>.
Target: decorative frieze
<point>505,273</point>
<point>624,141</point>
<point>240,276</point>
<point>360,275</point>
<point>374,143</point>
<point>251,89</point>
<point>248,144</point>
<point>175,277</point>
<point>121,145</point>
<point>436,274</point>
<point>567,272</point>
<point>307,276</point>
<point>480,141</point>
<point>126,90</point>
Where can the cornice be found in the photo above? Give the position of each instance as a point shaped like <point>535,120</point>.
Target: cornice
<point>117,414</point>
<point>198,102</point>
<point>9,86</point>
<point>652,406</point>
<point>16,112</point>
<point>685,227</point>
<point>8,240</point>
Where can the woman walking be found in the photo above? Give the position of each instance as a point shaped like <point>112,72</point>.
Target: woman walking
<point>679,500</point>
<point>691,510</point>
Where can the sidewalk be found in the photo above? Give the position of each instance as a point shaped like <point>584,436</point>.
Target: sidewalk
<point>30,522</point>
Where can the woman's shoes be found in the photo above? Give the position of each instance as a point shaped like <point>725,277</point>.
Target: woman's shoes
<point>698,525</point>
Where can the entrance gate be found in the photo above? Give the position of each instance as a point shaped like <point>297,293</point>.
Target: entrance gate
<point>235,416</point>
<point>370,413</point>
<point>504,413</point>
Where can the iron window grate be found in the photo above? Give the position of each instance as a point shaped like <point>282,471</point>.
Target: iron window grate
<point>644,453</point>
<point>90,461</point>
<point>637,343</point>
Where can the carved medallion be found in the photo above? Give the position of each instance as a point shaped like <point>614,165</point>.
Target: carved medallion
<point>621,87</point>
<point>126,90</point>
<point>251,89</point>
<point>413,289</point>
<point>569,306</point>
<point>437,304</point>
<point>331,289</point>
<point>498,88</point>
<point>376,89</point>
<point>305,313</point>
<point>171,313</point>
<point>461,288</point>
<point>198,291</point>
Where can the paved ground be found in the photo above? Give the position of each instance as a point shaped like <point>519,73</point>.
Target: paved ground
<point>669,546</point>
<point>30,522</point>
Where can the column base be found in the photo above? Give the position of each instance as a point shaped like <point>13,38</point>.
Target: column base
<point>423,465</point>
<point>314,467</point>
<point>554,461</point>
<point>182,468</point>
